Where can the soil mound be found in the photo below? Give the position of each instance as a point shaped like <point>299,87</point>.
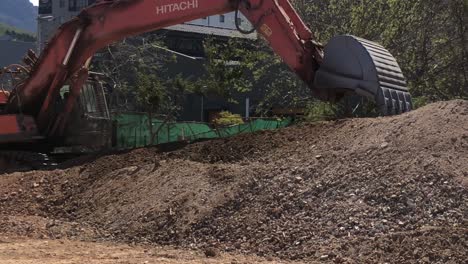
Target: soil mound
<point>390,189</point>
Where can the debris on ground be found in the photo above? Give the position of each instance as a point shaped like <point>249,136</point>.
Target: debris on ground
<point>390,189</point>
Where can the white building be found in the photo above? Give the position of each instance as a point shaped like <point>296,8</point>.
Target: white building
<point>53,13</point>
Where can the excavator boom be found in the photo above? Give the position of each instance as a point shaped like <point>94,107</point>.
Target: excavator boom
<point>347,65</point>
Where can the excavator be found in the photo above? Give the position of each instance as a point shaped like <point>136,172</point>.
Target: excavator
<point>31,119</point>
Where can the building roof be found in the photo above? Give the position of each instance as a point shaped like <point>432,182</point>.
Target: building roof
<point>223,32</point>
<point>13,51</point>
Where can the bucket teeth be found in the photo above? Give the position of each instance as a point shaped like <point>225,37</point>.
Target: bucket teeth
<point>394,102</point>
<point>393,97</point>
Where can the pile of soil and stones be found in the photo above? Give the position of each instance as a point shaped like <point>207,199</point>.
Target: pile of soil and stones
<point>390,189</point>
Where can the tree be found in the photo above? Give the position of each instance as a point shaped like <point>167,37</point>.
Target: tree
<point>237,66</point>
<point>137,67</point>
<point>20,36</point>
<point>428,38</point>
<point>227,70</point>
<point>124,62</point>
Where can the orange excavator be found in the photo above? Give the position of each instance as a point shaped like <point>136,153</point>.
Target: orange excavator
<point>31,117</point>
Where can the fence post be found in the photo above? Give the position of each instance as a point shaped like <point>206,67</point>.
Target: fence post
<point>193,134</point>
<point>135,138</point>
<point>168,133</point>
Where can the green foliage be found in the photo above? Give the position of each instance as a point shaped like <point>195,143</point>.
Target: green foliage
<point>428,38</point>
<point>237,66</point>
<point>320,111</point>
<point>353,106</point>
<point>174,95</point>
<point>16,34</point>
<point>137,67</point>
<point>226,68</point>
<point>279,86</point>
<point>420,101</point>
<point>20,36</point>
<point>20,14</point>
<point>363,108</point>
<point>282,89</point>
<point>4,28</point>
<point>150,91</point>
<point>227,118</point>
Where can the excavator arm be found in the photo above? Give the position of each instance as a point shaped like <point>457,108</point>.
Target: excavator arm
<point>347,65</point>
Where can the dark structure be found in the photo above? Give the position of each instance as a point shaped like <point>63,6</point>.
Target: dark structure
<point>12,52</point>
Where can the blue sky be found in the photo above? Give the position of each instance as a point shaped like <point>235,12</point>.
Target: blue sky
<point>35,2</point>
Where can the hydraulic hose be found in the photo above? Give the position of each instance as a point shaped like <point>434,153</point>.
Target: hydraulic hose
<point>236,18</point>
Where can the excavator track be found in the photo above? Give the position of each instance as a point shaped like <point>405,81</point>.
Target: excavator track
<point>21,161</point>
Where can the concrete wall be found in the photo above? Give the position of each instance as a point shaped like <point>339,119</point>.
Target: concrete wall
<point>220,21</point>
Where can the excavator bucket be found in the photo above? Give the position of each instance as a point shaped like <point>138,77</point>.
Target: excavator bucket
<point>353,65</point>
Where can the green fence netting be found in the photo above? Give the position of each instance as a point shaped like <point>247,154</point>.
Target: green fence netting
<point>132,130</point>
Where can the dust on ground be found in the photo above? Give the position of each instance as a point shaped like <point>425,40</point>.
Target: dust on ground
<point>390,189</point>
<point>31,251</point>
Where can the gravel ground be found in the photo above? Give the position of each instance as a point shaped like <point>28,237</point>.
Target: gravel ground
<point>390,189</point>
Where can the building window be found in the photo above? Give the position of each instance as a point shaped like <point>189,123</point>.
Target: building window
<point>72,5</point>
<point>239,21</point>
<point>222,18</point>
<point>77,5</point>
<point>45,7</point>
<point>62,3</point>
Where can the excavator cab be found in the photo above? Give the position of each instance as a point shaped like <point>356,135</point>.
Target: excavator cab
<point>89,127</point>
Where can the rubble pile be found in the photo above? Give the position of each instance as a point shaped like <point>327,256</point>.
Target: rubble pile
<point>390,189</point>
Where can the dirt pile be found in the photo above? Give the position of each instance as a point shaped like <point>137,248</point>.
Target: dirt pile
<point>381,190</point>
